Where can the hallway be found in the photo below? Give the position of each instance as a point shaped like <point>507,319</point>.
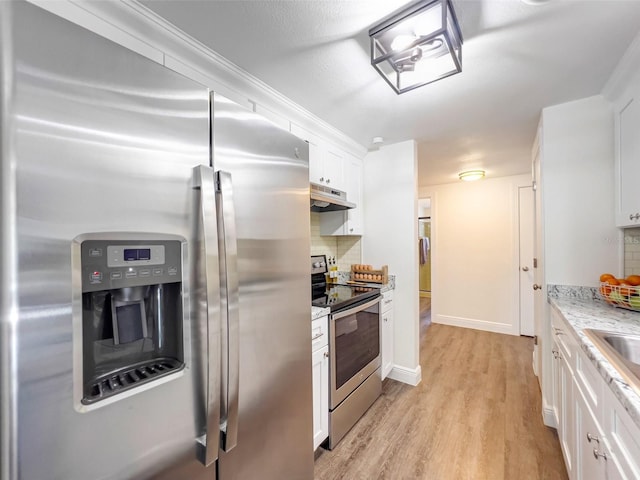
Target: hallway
<point>475,415</point>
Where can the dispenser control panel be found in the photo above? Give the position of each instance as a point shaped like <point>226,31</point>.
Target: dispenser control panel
<point>132,255</point>
<point>108,264</point>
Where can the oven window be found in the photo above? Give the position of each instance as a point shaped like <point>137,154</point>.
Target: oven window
<point>357,343</point>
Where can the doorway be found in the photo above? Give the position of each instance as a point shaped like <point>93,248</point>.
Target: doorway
<point>424,242</point>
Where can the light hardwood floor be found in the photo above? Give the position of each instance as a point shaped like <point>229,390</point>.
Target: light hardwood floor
<point>476,415</point>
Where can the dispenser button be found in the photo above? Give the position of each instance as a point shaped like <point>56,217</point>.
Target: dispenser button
<point>116,275</point>
<point>95,252</point>
<point>172,270</point>
<point>131,273</point>
<point>145,272</point>
<point>96,277</point>
<point>157,272</point>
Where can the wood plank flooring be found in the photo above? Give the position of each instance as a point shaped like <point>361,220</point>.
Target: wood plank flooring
<point>476,415</point>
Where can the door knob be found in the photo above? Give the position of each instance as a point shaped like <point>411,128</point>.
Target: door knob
<point>525,269</point>
<point>536,286</point>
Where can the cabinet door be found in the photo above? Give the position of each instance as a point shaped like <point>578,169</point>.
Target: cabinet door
<point>320,379</point>
<point>386,344</point>
<point>316,160</point>
<point>334,169</point>
<point>590,445</point>
<point>628,161</point>
<point>566,415</point>
<point>354,194</point>
<point>555,382</point>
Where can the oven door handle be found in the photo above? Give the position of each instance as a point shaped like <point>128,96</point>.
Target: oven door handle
<point>356,308</point>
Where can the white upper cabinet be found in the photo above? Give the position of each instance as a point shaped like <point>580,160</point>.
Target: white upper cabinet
<point>326,163</point>
<point>627,139</point>
<point>347,222</point>
<point>332,169</point>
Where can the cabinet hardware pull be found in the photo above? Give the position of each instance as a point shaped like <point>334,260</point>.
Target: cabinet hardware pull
<point>592,437</point>
<point>525,269</point>
<point>322,179</point>
<point>326,354</point>
<point>328,180</point>
<point>317,336</point>
<point>536,286</point>
<point>597,453</point>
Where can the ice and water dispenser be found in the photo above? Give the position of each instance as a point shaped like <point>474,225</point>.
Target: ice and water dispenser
<point>132,313</point>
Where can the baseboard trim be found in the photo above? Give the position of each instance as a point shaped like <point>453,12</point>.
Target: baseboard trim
<point>548,416</point>
<point>411,376</point>
<point>474,324</point>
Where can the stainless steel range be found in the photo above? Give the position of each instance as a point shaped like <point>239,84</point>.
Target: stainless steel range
<point>354,348</point>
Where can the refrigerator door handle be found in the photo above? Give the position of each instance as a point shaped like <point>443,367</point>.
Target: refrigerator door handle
<point>209,443</point>
<point>230,308</point>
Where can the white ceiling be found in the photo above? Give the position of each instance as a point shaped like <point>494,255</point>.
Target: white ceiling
<point>517,59</point>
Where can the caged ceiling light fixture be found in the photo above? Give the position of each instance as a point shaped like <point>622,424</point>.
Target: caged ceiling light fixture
<point>417,45</point>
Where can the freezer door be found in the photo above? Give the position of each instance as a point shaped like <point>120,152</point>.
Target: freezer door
<point>263,177</point>
<point>103,141</point>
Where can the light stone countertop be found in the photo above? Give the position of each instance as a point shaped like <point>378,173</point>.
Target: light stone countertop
<point>582,309</point>
<point>344,277</point>
<point>318,312</point>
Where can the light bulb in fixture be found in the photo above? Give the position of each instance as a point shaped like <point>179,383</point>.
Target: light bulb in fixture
<point>402,42</point>
<point>471,175</point>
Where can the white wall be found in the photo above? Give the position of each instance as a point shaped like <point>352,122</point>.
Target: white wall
<point>391,225</point>
<point>577,160</point>
<point>474,228</point>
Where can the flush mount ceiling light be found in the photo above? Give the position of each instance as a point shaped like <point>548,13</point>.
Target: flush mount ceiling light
<point>417,45</point>
<point>471,175</point>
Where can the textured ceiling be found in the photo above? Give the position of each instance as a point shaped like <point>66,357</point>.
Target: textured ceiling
<point>517,59</point>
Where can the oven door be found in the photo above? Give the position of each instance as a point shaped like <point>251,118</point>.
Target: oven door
<point>354,346</point>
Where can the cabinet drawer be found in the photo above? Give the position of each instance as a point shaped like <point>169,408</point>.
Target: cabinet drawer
<point>567,345</point>
<point>319,333</point>
<point>590,383</point>
<point>386,303</point>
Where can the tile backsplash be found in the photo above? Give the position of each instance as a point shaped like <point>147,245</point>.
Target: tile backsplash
<point>347,250</point>
<point>631,251</point>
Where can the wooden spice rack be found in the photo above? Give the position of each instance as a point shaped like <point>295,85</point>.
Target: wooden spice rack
<point>366,274</point>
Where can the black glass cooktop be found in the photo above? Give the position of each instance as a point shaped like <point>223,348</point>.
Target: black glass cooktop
<point>332,295</point>
<point>338,297</point>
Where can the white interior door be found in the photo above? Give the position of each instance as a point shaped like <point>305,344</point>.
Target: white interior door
<point>526,252</point>
<point>538,272</point>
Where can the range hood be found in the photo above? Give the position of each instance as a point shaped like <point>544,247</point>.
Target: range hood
<point>327,199</point>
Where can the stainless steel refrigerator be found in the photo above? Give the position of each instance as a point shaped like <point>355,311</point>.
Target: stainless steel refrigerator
<point>154,288</point>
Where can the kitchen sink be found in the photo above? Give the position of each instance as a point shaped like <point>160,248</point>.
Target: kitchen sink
<point>623,352</point>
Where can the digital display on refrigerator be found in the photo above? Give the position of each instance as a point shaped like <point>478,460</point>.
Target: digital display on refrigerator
<point>134,254</point>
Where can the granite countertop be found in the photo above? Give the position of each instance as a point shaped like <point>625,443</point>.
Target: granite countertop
<point>582,309</point>
<point>318,312</point>
<point>344,277</point>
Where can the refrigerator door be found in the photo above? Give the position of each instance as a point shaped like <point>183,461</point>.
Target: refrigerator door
<point>263,171</point>
<point>102,141</point>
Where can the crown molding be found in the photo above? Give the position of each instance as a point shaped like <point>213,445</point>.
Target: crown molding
<point>138,28</point>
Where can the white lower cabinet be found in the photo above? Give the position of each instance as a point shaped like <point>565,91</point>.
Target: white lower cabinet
<point>591,451</point>
<point>386,333</point>
<point>599,440</point>
<point>563,352</point>
<point>320,380</point>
